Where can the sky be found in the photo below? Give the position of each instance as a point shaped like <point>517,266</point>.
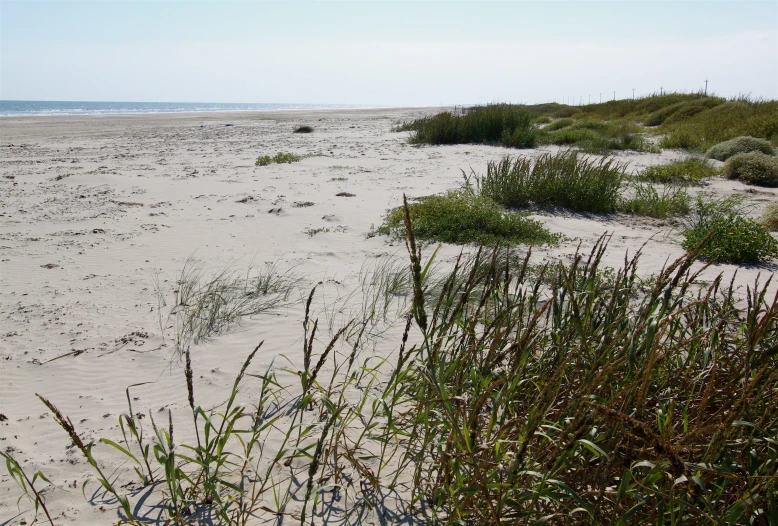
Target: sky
<point>391,53</point>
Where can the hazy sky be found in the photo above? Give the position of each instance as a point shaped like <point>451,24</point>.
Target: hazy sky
<point>383,53</point>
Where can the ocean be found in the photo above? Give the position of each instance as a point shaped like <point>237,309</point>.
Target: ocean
<point>43,107</point>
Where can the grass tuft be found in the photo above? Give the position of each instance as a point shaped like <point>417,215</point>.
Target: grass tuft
<point>565,179</point>
<point>647,201</point>
<point>690,171</point>
<point>304,129</point>
<point>278,158</point>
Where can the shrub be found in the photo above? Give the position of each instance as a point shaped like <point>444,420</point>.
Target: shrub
<point>502,124</point>
<point>734,239</point>
<point>724,150</point>
<point>647,201</point>
<point>769,218</point>
<point>304,129</point>
<point>689,171</point>
<point>564,179</point>
<point>278,158</point>
<point>461,217</point>
<point>753,168</point>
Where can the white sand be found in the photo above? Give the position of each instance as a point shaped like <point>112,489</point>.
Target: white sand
<point>141,194</point>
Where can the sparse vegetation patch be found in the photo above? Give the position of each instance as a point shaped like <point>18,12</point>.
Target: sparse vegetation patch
<point>724,150</point>
<point>279,158</point>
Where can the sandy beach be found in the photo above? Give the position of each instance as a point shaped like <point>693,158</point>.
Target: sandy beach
<point>99,213</point>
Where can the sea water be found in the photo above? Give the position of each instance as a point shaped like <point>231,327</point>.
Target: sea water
<point>42,107</point>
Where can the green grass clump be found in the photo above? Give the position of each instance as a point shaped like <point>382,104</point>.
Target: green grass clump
<point>595,136</point>
<point>304,129</point>
<point>753,168</point>
<point>460,217</point>
<point>769,218</point>
<point>558,124</point>
<point>565,179</point>
<point>278,158</point>
<point>724,150</point>
<point>734,239</point>
<point>690,171</point>
<point>647,201</point>
<point>502,124</point>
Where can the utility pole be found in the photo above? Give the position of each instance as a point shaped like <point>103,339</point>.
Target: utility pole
<point>601,97</point>
<point>706,87</point>
<point>633,93</point>
<point>660,91</point>
<point>590,98</point>
<point>614,95</point>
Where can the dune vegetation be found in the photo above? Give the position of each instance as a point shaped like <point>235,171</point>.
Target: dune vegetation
<point>691,121</point>
<point>562,391</point>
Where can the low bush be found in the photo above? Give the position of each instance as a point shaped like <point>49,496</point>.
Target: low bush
<point>503,124</point>
<point>724,150</point>
<point>278,158</point>
<point>461,217</point>
<point>753,168</point>
<point>769,217</point>
<point>690,171</point>
<point>304,129</point>
<point>734,239</point>
<point>565,179</point>
<point>647,201</point>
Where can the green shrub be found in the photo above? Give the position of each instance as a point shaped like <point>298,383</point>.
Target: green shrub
<point>769,217</point>
<point>724,150</point>
<point>278,158</point>
<point>460,217</point>
<point>503,124</point>
<point>735,239</point>
<point>688,171</point>
<point>304,129</point>
<point>753,168</point>
<point>647,201</point>
<point>564,179</point>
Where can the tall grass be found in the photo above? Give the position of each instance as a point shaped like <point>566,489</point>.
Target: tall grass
<point>689,171</point>
<point>502,124</point>
<point>565,179</point>
<point>564,393</point>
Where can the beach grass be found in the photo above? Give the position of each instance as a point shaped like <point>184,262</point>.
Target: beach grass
<point>769,217</point>
<point>279,158</point>
<point>569,390</point>
<point>647,200</point>
<point>500,124</point>
<point>688,172</point>
<point>565,179</point>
